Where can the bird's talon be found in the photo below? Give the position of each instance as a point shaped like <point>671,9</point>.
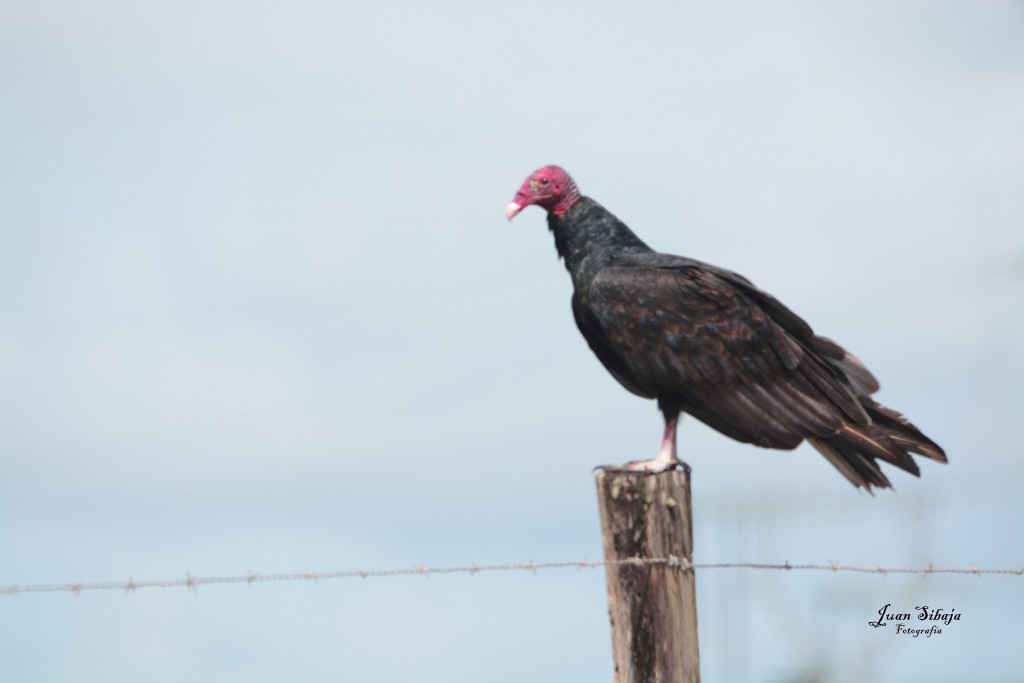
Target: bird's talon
<point>644,466</point>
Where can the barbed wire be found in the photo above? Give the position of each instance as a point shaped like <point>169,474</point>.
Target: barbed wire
<point>193,582</point>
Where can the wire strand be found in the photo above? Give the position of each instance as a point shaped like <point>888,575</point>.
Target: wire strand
<point>193,582</point>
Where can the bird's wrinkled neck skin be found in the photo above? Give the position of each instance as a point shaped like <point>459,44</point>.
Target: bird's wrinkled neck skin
<point>589,238</point>
<point>570,195</point>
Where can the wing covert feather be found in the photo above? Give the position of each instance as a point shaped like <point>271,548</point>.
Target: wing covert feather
<point>689,332</point>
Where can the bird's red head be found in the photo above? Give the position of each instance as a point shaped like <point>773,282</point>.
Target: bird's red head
<point>550,188</point>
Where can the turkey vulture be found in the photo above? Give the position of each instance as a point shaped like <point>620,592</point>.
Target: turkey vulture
<point>705,341</point>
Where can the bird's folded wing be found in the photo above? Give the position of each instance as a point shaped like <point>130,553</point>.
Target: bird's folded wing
<point>695,333</point>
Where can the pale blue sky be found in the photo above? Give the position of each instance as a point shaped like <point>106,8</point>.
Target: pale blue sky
<point>261,311</point>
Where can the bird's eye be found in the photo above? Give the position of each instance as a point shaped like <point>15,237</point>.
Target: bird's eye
<point>543,181</point>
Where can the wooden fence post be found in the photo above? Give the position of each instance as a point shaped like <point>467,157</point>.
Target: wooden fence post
<point>652,608</point>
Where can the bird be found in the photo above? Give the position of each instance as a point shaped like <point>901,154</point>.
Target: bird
<point>705,341</point>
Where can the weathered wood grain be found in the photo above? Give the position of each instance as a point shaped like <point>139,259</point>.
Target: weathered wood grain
<point>653,609</point>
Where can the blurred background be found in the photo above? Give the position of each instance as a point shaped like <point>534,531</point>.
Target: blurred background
<point>261,312</point>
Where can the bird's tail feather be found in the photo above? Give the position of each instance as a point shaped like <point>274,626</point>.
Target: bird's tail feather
<point>855,449</point>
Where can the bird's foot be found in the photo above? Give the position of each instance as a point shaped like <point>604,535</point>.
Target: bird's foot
<point>655,466</point>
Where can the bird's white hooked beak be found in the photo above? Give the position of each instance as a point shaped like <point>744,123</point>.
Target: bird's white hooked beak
<point>512,209</point>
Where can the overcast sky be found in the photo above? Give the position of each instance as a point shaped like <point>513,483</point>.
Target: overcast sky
<point>260,311</point>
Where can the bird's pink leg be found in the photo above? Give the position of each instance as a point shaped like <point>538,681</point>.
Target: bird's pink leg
<point>664,461</point>
<point>667,453</point>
